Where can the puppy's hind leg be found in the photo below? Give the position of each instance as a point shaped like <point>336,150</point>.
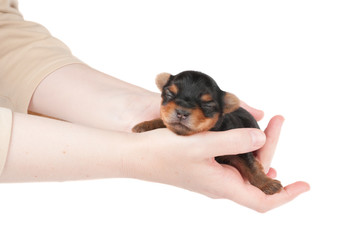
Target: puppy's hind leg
<point>252,170</point>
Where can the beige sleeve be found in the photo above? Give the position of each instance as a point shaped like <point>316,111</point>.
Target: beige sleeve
<point>28,53</point>
<point>5,134</point>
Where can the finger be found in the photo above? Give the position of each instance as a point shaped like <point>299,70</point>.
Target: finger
<point>273,130</point>
<point>257,114</point>
<point>255,199</point>
<point>272,173</point>
<point>289,193</point>
<point>235,141</point>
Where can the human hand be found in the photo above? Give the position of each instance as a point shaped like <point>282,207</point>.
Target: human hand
<point>188,162</point>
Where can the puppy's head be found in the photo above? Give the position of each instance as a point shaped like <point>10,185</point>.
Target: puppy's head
<point>192,102</point>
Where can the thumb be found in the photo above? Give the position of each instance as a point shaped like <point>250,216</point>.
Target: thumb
<point>235,141</point>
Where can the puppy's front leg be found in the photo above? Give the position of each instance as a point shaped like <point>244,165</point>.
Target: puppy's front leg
<point>148,125</point>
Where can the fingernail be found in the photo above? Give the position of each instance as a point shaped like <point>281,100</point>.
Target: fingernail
<point>258,138</point>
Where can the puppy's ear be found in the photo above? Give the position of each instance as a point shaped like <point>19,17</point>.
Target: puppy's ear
<point>230,102</point>
<point>162,80</point>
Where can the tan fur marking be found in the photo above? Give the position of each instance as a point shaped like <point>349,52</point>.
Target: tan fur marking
<point>197,121</point>
<point>206,97</point>
<point>173,88</point>
<point>201,123</point>
<point>167,110</point>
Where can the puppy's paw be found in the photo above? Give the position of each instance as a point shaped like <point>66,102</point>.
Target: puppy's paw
<point>148,125</point>
<point>140,127</point>
<point>271,186</point>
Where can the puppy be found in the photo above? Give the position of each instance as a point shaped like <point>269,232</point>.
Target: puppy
<point>192,102</point>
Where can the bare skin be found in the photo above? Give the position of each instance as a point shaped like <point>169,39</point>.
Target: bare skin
<point>99,145</point>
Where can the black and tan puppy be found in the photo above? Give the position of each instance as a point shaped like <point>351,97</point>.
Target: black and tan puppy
<point>192,102</point>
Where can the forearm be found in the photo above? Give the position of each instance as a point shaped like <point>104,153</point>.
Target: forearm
<point>80,94</point>
<point>43,149</point>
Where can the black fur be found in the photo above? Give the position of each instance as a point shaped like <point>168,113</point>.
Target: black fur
<point>240,118</point>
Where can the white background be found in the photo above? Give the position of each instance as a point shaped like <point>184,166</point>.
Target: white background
<point>301,59</point>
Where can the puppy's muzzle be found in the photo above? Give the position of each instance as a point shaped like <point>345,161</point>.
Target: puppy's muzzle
<point>182,114</point>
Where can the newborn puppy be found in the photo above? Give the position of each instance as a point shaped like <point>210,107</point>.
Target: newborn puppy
<point>192,102</point>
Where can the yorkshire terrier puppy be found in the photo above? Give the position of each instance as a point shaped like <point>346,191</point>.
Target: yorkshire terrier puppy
<point>192,102</point>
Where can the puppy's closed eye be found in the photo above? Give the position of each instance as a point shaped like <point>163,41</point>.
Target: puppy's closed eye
<point>168,94</point>
<point>209,108</point>
<point>208,105</point>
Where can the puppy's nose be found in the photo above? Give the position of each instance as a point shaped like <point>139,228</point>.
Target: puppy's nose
<point>182,114</point>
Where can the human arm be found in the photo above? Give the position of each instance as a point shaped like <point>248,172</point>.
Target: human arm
<point>44,149</point>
